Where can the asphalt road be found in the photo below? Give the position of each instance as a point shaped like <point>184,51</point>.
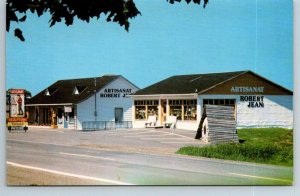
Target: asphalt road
<point>133,157</point>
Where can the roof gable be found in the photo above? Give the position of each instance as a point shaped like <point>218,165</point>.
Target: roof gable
<point>248,83</point>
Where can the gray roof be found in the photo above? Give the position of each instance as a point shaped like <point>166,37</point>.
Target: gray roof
<point>186,84</point>
<point>195,83</point>
<point>62,91</point>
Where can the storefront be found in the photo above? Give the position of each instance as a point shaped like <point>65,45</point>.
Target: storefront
<point>83,103</point>
<point>257,101</point>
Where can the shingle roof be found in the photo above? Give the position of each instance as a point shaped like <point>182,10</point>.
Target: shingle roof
<point>62,90</point>
<point>186,84</point>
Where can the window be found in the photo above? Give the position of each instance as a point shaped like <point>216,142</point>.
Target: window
<point>190,112</point>
<point>78,90</point>
<point>152,110</point>
<point>140,112</point>
<point>184,109</point>
<point>176,110</point>
<point>226,102</point>
<point>71,117</point>
<point>50,91</point>
<point>145,108</point>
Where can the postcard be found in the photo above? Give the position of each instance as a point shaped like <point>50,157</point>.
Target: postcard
<point>132,92</point>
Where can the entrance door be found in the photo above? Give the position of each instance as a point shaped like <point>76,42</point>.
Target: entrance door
<point>66,121</point>
<point>118,115</point>
<point>163,114</point>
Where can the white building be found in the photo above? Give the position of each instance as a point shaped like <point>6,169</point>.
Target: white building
<point>258,102</point>
<point>88,103</point>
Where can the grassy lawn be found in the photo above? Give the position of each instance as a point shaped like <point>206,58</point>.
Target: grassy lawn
<point>266,145</point>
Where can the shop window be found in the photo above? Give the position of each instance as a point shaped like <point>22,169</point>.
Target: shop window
<point>145,108</point>
<point>185,109</point>
<point>140,112</point>
<point>152,110</point>
<point>190,112</point>
<point>176,111</point>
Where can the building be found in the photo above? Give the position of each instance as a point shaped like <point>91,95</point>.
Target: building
<point>86,103</point>
<point>258,102</point>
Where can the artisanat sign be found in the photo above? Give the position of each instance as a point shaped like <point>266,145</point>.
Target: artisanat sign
<point>115,92</point>
<point>247,89</point>
<point>253,101</point>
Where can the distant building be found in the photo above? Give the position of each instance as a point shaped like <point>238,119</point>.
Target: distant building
<point>83,103</point>
<point>257,101</point>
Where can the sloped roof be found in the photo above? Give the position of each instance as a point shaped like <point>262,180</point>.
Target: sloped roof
<point>62,90</point>
<point>197,83</point>
<point>187,84</point>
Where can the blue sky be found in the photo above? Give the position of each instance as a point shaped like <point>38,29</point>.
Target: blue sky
<point>229,35</point>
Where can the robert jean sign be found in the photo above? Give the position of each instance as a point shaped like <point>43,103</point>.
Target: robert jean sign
<point>254,101</point>
<point>115,93</point>
<point>247,89</point>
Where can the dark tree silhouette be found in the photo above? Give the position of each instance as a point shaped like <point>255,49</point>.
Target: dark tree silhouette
<point>119,11</point>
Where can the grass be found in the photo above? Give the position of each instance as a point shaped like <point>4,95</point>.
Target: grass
<point>264,145</point>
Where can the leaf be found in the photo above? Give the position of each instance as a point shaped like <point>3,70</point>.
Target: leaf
<point>22,19</point>
<point>19,34</point>
<point>13,17</point>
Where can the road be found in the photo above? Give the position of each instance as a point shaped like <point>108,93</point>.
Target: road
<point>132,157</point>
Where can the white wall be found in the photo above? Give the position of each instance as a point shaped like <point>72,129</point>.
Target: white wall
<point>277,111</point>
<point>106,106</point>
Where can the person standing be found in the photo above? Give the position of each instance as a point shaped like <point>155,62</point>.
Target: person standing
<point>20,105</point>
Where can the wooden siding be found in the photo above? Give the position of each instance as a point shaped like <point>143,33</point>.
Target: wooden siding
<point>248,80</point>
<point>221,124</point>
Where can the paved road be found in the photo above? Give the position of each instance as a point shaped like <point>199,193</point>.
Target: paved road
<point>138,157</point>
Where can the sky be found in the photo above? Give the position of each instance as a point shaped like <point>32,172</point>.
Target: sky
<point>166,40</point>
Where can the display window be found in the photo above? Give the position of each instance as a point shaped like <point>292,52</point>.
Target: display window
<point>185,109</point>
<point>145,108</point>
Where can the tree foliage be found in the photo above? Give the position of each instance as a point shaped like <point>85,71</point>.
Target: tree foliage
<point>118,11</point>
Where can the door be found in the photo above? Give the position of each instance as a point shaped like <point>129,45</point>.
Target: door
<point>66,121</point>
<point>163,114</point>
<point>118,115</point>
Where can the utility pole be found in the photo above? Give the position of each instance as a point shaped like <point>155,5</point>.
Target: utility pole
<point>95,90</point>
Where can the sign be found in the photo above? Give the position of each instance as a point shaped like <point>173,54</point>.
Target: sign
<point>253,101</point>
<point>115,93</point>
<point>16,91</point>
<point>17,106</point>
<point>16,124</point>
<point>17,119</point>
<point>247,89</point>
<point>68,109</point>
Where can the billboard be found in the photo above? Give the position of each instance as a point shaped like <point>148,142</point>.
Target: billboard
<point>17,106</point>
